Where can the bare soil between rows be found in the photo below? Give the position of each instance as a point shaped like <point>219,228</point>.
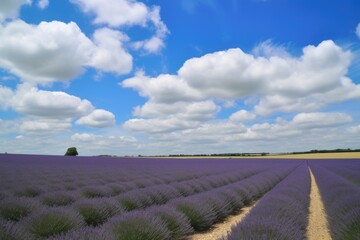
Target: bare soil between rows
<point>223,228</point>
<point>318,226</point>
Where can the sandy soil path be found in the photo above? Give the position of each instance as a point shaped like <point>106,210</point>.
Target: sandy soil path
<point>221,229</point>
<point>318,226</point>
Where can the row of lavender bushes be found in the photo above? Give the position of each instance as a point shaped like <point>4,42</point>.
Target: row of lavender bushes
<point>280,214</point>
<point>182,216</point>
<point>67,217</point>
<point>341,197</point>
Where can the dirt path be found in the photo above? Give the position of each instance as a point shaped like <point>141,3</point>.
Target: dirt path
<point>318,226</point>
<point>221,229</point>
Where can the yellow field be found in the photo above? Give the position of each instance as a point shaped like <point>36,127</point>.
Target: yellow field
<point>349,155</point>
<point>344,155</point>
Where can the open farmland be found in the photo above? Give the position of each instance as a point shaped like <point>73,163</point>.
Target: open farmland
<point>53,197</point>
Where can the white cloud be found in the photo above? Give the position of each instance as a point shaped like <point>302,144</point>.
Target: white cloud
<point>194,111</point>
<point>45,52</point>
<point>162,89</point>
<point>8,126</point>
<point>158,125</point>
<point>110,55</point>
<point>235,74</point>
<point>289,84</point>
<point>358,30</point>
<point>155,43</point>
<point>5,96</point>
<point>305,131</point>
<point>320,119</point>
<point>115,12</point>
<point>10,8</point>
<point>118,13</point>
<point>104,144</point>
<point>242,116</point>
<point>43,126</point>
<point>56,105</point>
<point>99,118</point>
<point>43,4</point>
<point>53,51</point>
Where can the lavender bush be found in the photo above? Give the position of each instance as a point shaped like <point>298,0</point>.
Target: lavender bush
<point>15,208</point>
<point>138,225</point>
<point>60,198</point>
<point>176,222</point>
<point>280,214</point>
<point>12,231</point>
<point>86,233</point>
<point>341,200</point>
<point>51,222</point>
<point>97,211</point>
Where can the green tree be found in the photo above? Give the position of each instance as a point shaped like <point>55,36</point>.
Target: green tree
<point>71,152</point>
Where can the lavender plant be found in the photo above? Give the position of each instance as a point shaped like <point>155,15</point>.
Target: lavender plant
<point>30,191</point>
<point>12,231</point>
<point>97,211</point>
<point>176,222</point>
<point>15,208</point>
<point>138,225</point>
<point>200,214</point>
<point>86,233</point>
<point>60,198</point>
<point>341,201</point>
<point>51,222</point>
<point>280,214</point>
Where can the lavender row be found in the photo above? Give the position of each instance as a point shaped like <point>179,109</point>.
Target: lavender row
<point>170,221</point>
<point>15,208</point>
<point>342,202</point>
<point>350,170</point>
<point>182,216</point>
<point>46,178</point>
<point>280,214</point>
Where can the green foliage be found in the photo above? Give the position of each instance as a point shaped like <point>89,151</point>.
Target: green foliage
<point>14,210</point>
<point>53,222</point>
<point>139,227</point>
<point>29,192</point>
<point>57,199</point>
<point>72,151</point>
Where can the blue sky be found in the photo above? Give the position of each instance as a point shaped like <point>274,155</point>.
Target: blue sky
<point>128,77</point>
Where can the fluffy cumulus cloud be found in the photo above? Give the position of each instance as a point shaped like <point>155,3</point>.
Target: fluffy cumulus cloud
<point>281,83</point>
<point>10,8</point>
<point>163,89</point>
<point>172,104</point>
<point>43,126</point>
<point>99,118</point>
<point>48,104</point>
<point>116,12</point>
<point>268,81</point>
<point>53,51</point>
<point>119,13</point>
<point>109,55</point>
<point>242,116</point>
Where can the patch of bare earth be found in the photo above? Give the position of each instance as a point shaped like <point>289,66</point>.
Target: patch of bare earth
<point>223,228</point>
<point>317,227</point>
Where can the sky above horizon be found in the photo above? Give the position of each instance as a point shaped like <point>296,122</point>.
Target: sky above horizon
<point>152,77</point>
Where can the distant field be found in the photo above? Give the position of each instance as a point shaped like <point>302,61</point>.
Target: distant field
<point>346,155</point>
<point>103,198</point>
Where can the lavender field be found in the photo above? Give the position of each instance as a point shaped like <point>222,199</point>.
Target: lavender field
<point>98,198</point>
